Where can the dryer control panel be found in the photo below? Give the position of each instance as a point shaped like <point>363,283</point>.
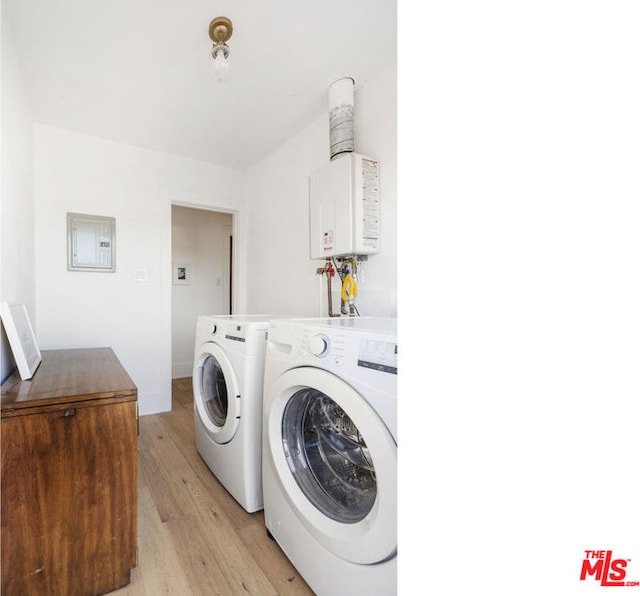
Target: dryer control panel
<point>236,332</point>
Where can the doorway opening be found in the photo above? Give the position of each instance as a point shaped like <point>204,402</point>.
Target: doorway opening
<point>202,264</point>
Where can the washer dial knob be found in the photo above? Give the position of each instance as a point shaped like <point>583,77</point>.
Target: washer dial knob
<point>319,345</point>
<point>214,328</point>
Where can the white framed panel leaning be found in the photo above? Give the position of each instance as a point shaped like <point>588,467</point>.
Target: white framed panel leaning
<point>21,338</point>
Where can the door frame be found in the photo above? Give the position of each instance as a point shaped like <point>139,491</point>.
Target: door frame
<point>238,268</point>
<point>236,299</point>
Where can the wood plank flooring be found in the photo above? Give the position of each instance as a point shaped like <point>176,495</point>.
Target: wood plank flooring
<point>193,537</point>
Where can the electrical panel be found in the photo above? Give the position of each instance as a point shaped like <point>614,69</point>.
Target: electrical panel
<point>344,207</point>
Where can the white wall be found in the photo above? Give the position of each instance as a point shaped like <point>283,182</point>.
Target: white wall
<point>16,188</point>
<point>281,279</point>
<point>71,172</point>
<point>200,239</point>
<point>79,173</point>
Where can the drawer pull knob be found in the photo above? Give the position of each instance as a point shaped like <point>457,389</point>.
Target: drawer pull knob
<point>68,413</point>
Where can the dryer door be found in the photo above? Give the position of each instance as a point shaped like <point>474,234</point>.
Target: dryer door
<point>216,393</point>
<point>337,463</point>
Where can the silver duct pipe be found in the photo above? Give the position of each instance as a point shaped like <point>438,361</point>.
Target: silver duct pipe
<point>341,116</point>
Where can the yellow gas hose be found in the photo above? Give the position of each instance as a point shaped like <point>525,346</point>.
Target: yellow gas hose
<point>349,288</point>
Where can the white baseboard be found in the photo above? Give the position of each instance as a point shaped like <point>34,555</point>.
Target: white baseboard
<point>181,369</point>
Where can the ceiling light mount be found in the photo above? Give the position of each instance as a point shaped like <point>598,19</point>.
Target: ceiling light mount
<point>220,30</point>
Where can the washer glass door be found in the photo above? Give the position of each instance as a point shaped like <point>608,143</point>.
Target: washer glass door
<point>333,467</point>
<point>216,393</point>
<point>335,461</point>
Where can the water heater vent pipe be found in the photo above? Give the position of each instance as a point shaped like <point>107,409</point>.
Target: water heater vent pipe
<point>341,116</point>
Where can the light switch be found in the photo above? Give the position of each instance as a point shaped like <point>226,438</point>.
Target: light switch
<point>140,275</point>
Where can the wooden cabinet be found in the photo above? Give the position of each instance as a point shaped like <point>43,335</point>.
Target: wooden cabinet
<point>69,476</point>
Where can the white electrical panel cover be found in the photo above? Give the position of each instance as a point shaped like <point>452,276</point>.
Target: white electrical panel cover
<point>344,207</point>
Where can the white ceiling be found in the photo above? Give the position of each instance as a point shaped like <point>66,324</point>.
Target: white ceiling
<point>139,71</point>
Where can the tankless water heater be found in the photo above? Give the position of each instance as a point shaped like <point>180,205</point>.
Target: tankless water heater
<point>344,207</point>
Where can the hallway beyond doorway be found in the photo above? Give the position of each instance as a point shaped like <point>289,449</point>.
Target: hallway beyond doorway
<point>201,242</point>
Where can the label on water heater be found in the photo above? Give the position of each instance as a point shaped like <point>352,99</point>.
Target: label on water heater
<point>327,240</point>
<point>370,202</point>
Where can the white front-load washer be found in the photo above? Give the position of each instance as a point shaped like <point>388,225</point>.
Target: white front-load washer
<point>330,451</point>
<point>227,390</point>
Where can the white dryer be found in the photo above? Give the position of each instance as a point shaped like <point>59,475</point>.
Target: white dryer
<point>330,451</point>
<point>227,389</point>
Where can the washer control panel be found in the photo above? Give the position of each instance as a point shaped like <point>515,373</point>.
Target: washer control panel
<point>374,354</point>
<point>378,355</point>
<point>319,345</point>
<point>328,346</point>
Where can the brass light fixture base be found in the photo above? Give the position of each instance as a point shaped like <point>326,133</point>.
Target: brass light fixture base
<point>220,29</point>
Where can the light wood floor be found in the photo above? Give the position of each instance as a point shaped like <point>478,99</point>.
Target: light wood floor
<point>193,537</point>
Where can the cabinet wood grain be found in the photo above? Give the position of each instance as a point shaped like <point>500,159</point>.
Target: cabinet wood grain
<point>69,476</point>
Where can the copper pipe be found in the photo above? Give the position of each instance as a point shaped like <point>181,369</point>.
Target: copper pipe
<point>330,310</point>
